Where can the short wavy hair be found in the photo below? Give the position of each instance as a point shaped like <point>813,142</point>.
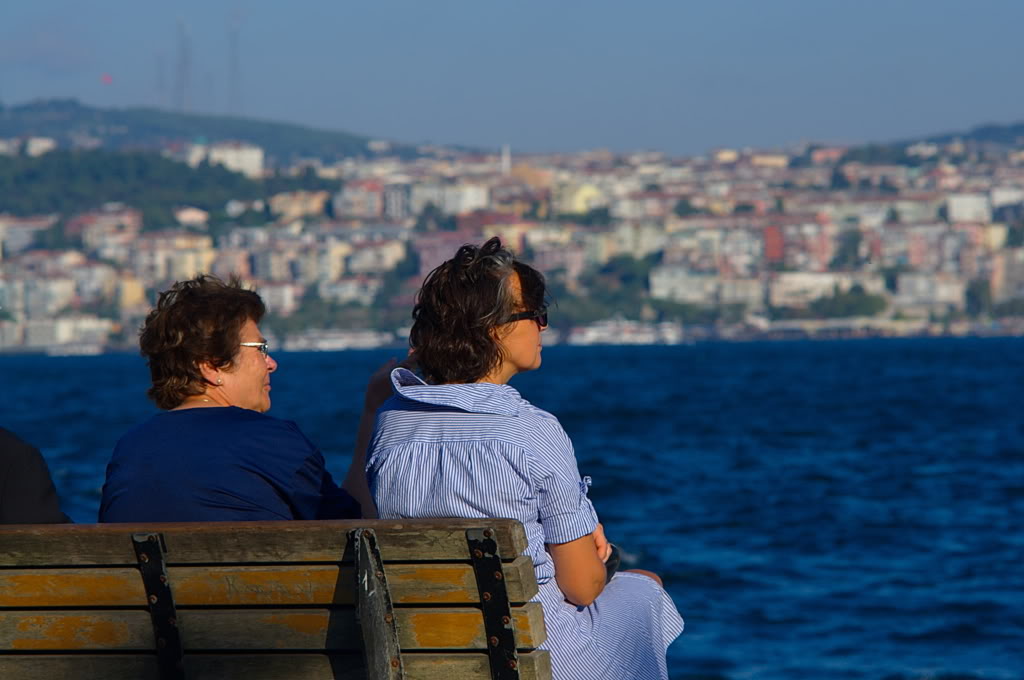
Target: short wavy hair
<point>195,321</point>
<point>461,306</point>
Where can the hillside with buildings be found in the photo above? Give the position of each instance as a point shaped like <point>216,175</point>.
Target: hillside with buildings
<point>922,237</point>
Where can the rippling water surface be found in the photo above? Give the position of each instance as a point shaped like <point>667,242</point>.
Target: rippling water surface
<point>818,510</point>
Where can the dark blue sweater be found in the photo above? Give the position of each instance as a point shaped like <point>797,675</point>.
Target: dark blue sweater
<point>219,464</point>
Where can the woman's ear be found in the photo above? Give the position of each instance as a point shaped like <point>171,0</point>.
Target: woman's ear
<point>499,333</point>
<point>210,374</point>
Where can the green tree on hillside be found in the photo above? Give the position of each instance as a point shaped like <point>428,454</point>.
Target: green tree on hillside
<point>1014,308</point>
<point>431,218</point>
<point>684,208</point>
<point>1015,235</point>
<point>854,302</point>
<point>839,181</point>
<point>66,182</point>
<point>848,253</point>
<point>618,287</point>
<point>69,182</point>
<point>978,298</point>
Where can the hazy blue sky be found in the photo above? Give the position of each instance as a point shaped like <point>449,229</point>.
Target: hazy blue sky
<point>675,75</point>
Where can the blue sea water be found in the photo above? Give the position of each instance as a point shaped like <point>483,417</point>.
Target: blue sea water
<point>817,509</point>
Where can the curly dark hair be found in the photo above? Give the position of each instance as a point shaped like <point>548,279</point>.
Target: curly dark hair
<point>195,321</point>
<point>460,307</point>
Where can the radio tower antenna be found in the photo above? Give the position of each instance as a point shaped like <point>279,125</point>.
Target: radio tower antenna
<point>182,74</point>
<point>161,83</point>
<point>234,72</point>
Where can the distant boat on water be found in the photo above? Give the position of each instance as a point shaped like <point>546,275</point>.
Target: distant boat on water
<point>625,332</point>
<point>86,349</point>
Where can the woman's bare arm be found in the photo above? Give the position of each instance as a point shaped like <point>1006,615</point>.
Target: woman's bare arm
<point>378,389</point>
<point>579,568</point>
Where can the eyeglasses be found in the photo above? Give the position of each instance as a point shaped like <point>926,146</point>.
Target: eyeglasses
<point>263,347</point>
<point>540,316</point>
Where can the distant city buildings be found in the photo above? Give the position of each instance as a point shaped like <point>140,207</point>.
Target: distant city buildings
<point>662,245</point>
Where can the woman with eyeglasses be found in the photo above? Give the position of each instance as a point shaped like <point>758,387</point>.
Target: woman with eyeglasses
<point>213,453</point>
<point>463,443</point>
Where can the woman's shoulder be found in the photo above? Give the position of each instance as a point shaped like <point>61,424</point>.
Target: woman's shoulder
<point>544,432</point>
<point>16,452</point>
<point>538,422</point>
<point>256,418</point>
<point>529,411</point>
<point>213,422</point>
<point>264,424</point>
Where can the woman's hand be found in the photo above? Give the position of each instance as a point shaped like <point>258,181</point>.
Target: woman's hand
<point>378,389</point>
<point>604,548</point>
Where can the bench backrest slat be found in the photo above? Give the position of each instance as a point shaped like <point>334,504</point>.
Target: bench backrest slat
<point>267,585</point>
<point>245,542</point>
<point>256,600</point>
<point>254,629</point>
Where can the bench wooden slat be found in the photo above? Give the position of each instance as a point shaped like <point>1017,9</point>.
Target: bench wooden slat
<point>423,666</point>
<point>253,600</point>
<point>244,542</point>
<point>263,585</point>
<point>256,629</point>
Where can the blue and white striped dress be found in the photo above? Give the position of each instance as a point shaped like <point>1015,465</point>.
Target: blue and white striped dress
<point>481,450</point>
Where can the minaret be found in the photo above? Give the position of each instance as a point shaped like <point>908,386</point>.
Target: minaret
<point>506,159</point>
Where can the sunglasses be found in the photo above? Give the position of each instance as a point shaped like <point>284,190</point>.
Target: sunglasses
<point>263,347</point>
<point>540,316</point>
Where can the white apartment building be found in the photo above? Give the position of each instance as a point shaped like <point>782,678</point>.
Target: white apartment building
<point>235,156</point>
<point>375,258</point>
<point>12,297</point>
<point>799,289</point>
<point>451,199</point>
<point>282,298</point>
<point>925,292</point>
<point>47,295</point>
<point>12,334</point>
<point>678,284</point>
<point>1006,195</point>
<point>238,157</point>
<point>746,292</point>
<point>80,329</point>
<point>397,204</point>
<point>968,208</point>
<point>639,239</point>
<point>422,194</point>
<point>37,146</point>
<point>464,198</point>
<point>358,289</point>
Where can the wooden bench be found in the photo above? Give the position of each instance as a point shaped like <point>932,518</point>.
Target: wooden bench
<point>432,599</point>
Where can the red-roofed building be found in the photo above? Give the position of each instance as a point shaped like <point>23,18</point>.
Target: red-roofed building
<point>774,244</point>
<point>360,198</point>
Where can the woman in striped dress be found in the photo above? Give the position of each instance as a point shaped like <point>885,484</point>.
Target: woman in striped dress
<point>466,444</point>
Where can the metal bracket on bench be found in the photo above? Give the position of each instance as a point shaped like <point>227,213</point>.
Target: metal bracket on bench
<point>149,550</point>
<point>374,612</point>
<point>490,579</point>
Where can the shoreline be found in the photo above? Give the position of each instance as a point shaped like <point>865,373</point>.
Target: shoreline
<point>735,339</point>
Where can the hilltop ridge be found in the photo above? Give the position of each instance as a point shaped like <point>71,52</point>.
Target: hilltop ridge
<point>73,123</point>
